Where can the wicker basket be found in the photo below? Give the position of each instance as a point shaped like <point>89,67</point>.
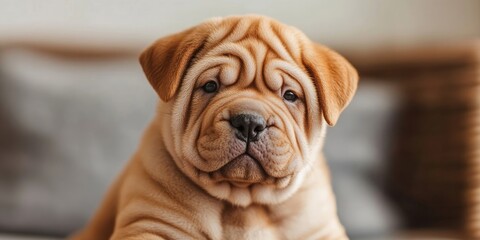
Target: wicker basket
<point>434,172</point>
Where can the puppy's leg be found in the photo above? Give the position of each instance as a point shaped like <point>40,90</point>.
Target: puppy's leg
<point>151,208</point>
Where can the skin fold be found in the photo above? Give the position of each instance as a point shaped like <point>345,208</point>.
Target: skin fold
<point>194,176</point>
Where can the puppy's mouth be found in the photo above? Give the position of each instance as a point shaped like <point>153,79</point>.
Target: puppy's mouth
<point>241,171</point>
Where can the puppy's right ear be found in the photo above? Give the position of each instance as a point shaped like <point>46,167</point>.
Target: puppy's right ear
<point>166,61</point>
<point>335,79</point>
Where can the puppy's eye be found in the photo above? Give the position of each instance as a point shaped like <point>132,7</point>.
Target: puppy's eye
<point>210,87</point>
<point>290,96</point>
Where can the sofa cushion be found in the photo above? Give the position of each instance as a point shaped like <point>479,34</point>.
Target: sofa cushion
<point>67,128</point>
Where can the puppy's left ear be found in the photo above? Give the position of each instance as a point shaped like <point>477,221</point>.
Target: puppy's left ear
<point>334,77</point>
<point>165,61</point>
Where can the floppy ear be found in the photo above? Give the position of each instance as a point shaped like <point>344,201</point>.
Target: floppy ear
<point>166,61</point>
<point>334,77</point>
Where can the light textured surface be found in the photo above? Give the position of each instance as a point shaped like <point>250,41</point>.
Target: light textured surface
<point>340,23</point>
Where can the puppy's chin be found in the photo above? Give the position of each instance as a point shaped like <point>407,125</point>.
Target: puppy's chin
<point>243,181</point>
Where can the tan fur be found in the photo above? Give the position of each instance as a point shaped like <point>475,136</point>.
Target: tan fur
<point>191,178</point>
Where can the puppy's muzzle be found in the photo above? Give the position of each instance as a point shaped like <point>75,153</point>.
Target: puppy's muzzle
<point>248,127</point>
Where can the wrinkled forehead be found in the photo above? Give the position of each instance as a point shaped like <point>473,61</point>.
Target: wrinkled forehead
<point>256,43</point>
<point>282,40</point>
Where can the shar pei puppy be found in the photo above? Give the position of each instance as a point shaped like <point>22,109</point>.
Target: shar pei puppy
<point>235,148</point>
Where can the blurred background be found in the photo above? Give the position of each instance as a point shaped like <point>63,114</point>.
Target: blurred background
<point>405,155</point>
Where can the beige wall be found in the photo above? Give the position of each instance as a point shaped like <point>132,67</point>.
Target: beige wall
<point>343,23</point>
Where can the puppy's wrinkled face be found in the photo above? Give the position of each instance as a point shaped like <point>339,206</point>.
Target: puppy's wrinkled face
<point>246,122</point>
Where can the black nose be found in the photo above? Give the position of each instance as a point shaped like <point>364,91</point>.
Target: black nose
<point>248,126</point>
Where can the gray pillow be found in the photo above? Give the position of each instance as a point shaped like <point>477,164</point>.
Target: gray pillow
<point>357,150</point>
<point>67,128</point>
